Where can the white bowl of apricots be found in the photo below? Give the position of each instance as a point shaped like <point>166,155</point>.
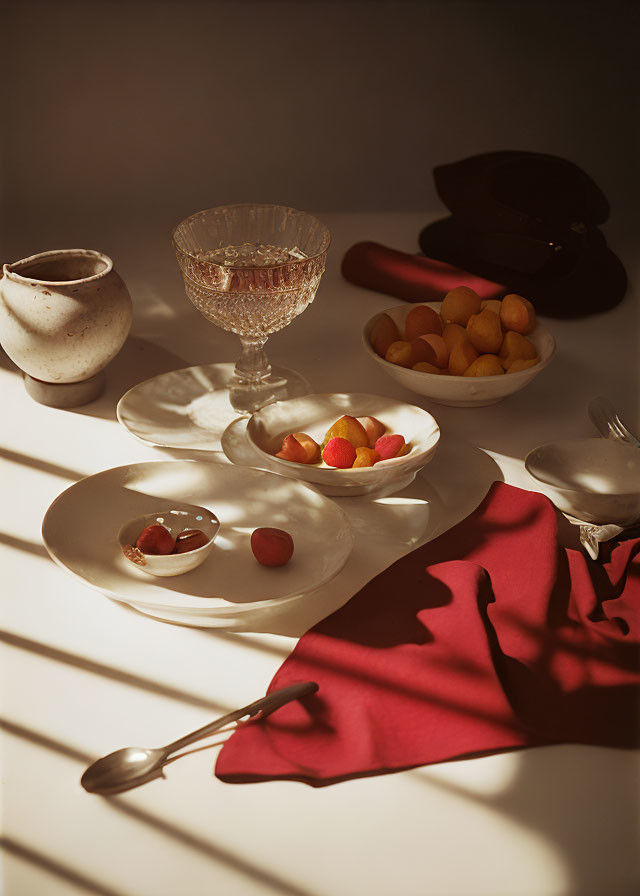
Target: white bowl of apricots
<point>463,351</point>
<point>345,443</point>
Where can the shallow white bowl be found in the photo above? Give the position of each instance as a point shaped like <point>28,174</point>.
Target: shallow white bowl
<point>314,414</point>
<point>460,391</point>
<point>593,480</point>
<point>175,521</point>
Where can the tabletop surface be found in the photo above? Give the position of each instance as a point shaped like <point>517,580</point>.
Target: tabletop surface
<point>83,675</point>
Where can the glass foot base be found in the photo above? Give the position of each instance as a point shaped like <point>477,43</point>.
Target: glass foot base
<point>279,385</point>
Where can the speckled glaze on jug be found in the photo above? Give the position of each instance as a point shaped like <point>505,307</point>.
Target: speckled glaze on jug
<point>64,314</point>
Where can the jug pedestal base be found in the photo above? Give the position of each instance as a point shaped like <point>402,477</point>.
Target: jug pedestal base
<point>65,395</point>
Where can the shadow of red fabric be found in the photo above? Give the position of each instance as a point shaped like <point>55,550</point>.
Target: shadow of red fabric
<point>491,637</point>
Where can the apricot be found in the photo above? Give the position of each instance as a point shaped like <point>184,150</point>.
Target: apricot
<point>366,457</point>
<point>190,540</point>
<point>485,365</point>
<point>271,547</point>
<point>399,353</point>
<point>453,334</point>
<point>292,450</point>
<point>459,304</point>
<point>439,354</point>
<point>383,332</point>
<point>420,321</point>
<point>516,347</point>
<point>491,305</point>
<point>517,314</point>
<point>390,446</point>
<point>348,428</point>
<point>155,539</point>
<point>462,356</point>
<point>522,364</point>
<point>485,332</point>
<point>373,428</point>
<point>426,367</point>
<point>340,453</point>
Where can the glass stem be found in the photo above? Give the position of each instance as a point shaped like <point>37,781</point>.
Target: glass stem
<point>253,365</point>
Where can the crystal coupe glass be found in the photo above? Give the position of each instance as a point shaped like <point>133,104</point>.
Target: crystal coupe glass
<point>251,269</point>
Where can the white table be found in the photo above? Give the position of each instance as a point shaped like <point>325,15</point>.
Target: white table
<point>82,675</point>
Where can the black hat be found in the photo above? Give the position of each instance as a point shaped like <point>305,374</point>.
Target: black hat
<point>529,221</point>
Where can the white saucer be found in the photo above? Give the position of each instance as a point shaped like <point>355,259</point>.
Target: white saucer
<point>189,408</point>
<point>80,532</point>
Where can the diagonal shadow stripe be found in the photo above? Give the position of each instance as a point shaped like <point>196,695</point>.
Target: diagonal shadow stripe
<point>81,662</point>
<point>21,544</point>
<point>210,850</point>
<point>64,872</point>
<point>45,466</point>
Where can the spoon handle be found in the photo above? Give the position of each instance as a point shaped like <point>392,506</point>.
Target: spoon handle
<point>264,705</point>
<point>604,417</point>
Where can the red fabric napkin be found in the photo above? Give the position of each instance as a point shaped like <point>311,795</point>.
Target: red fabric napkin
<point>413,278</point>
<point>488,638</point>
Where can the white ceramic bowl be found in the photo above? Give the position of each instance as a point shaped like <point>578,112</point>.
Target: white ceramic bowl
<point>175,521</point>
<point>314,414</point>
<point>593,480</point>
<point>460,391</point>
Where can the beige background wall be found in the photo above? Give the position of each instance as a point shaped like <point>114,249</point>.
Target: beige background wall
<point>122,113</point>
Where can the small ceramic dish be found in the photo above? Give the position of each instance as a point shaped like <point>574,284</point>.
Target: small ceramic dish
<point>593,480</point>
<point>175,521</point>
<point>314,414</point>
<point>460,391</point>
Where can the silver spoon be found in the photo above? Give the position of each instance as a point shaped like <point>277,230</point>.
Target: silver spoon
<point>133,766</point>
<point>606,420</point>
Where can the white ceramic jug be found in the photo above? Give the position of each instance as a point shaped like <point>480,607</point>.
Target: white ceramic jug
<point>64,315</point>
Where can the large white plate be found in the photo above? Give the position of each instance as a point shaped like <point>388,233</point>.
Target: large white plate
<point>80,532</point>
<point>188,408</point>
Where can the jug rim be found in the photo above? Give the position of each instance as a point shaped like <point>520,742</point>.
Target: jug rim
<point>9,269</point>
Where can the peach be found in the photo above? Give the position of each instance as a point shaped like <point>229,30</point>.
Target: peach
<point>462,356</point>
<point>190,540</point>
<point>522,364</point>
<point>155,539</point>
<point>491,305</point>
<point>271,547</point>
<point>292,450</point>
<point>383,332</point>
<point>390,446</point>
<point>516,347</point>
<point>439,354</point>
<point>348,428</point>
<point>420,321</point>
<point>373,428</point>
<point>517,314</point>
<point>426,367</point>
<point>459,304</point>
<point>485,365</point>
<point>453,334</point>
<point>366,457</point>
<point>484,331</point>
<point>340,453</point>
<point>311,447</point>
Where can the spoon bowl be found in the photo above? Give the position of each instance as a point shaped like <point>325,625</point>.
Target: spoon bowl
<point>133,766</point>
